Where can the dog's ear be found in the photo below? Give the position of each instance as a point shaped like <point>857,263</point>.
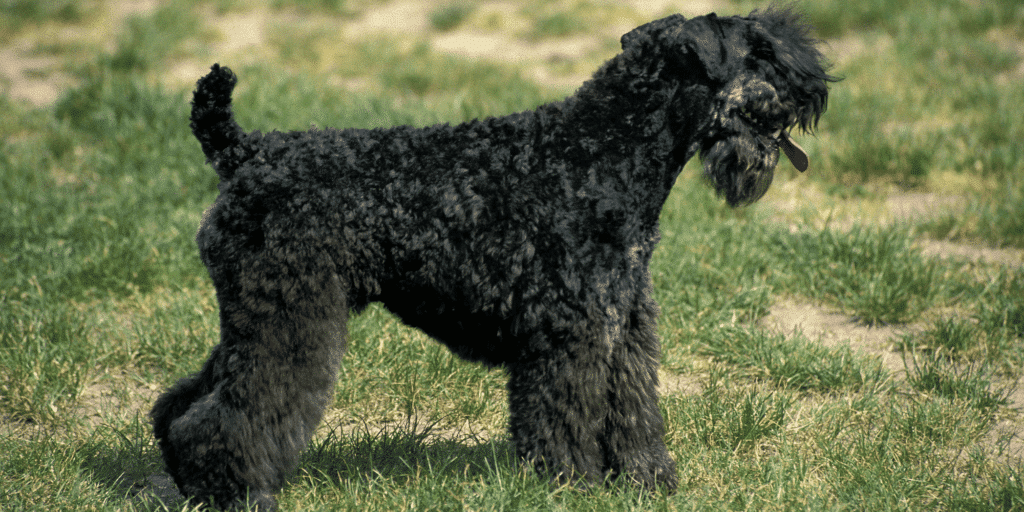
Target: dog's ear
<point>647,34</point>
<point>787,55</point>
<point>704,38</point>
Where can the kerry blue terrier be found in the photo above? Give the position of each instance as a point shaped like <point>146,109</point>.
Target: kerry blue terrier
<point>520,241</point>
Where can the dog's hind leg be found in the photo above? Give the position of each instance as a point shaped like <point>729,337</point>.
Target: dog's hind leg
<point>231,433</point>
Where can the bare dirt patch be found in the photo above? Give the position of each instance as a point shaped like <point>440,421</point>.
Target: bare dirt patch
<point>671,383</point>
<point>115,401</point>
<point>29,73</point>
<point>408,18</point>
<point>800,204</point>
<point>981,254</point>
<point>834,329</point>
<point>29,77</point>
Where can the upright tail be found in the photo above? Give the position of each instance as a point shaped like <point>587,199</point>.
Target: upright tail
<point>214,124</point>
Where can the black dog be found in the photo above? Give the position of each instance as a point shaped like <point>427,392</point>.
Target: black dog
<point>521,241</point>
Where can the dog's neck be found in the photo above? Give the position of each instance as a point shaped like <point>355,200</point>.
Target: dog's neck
<point>658,108</point>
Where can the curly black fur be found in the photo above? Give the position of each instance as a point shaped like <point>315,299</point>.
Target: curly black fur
<point>521,241</point>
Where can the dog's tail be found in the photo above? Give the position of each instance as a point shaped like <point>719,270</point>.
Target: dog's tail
<point>214,124</point>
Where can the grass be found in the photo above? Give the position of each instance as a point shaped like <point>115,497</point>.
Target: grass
<point>996,220</point>
<point>19,15</point>
<point>450,16</point>
<point>971,384</point>
<point>103,301</point>
<point>792,363</point>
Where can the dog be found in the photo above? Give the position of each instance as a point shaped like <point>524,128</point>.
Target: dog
<point>521,242</point>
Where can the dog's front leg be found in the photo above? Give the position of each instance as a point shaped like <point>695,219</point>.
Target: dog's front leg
<point>558,406</point>
<point>635,428</point>
<point>585,408</point>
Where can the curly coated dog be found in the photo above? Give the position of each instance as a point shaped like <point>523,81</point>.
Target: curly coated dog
<point>520,241</point>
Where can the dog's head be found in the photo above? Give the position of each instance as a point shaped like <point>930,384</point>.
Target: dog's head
<point>763,75</point>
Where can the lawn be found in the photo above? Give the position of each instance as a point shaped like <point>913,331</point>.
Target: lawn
<point>907,232</point>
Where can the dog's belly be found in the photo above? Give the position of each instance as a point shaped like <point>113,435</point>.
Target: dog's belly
<point>476,336</point>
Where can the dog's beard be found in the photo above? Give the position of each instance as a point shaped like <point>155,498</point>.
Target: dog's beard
<point>740,170</point>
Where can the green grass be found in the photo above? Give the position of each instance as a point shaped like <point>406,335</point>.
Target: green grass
<point>44,367</point>
<point>873,274</point>
<point>449,16</point>
<point>972,384</point>
<point>731,420</point>
<point>910,108</point>
<point>17,16</point>
<point>341,7</point>
<point>792,363</point>
<point>566,19</point>
<point>104,302</point>
<point>150,39</point>
<point>997,220</point>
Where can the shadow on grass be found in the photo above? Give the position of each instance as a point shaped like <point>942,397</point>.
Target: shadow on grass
<point>402,451</point>
<point>126,462</point>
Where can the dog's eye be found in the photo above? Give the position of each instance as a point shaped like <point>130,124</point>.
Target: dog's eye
<point>765,121</point>
<point>752,117</point>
